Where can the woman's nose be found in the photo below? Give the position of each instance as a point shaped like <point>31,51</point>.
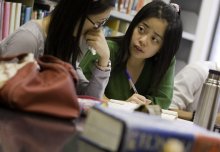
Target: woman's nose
<point>143,40</point>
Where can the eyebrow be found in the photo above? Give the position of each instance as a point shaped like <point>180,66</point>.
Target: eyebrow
<point>153,31</point>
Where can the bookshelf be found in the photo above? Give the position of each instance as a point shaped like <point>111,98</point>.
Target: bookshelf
<point>26,2</point>
<point>199,18</point>
<point>14,13</point>
<point>189,28</point>
<point>47,5</point>
<point>122,16</point>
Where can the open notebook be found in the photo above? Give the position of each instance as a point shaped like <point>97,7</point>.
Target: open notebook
<point>151,109</point>
<point>87,102</point>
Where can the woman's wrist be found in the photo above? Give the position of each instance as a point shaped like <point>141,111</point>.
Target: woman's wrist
<point>106,67</point>
<point>103,61</point>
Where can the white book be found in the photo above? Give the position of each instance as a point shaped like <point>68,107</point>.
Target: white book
<point>12,18</point>
<point>18,15</point>
<point>122,105</point>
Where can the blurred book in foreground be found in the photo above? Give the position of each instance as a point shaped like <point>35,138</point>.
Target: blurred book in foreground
<point>117,130</point>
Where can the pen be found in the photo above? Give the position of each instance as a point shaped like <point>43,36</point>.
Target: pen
<point>130,81</point>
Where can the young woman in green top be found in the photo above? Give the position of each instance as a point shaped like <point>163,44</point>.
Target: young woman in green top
<point>147,54</point>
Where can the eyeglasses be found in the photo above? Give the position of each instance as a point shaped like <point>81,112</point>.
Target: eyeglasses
<point>99,24</point>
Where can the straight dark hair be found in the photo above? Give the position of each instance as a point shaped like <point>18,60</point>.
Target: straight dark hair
<point>64,18</point>
<point>173,34</point>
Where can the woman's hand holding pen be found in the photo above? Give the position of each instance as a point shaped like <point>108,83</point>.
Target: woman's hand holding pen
<point>96,39</point>
<point>139,99</point>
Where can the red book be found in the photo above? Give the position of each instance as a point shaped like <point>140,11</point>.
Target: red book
<point>1,17</point>
<point>120,5</point>
<point>140,4</point>
<point>6,19</point>
<point>205,143</point>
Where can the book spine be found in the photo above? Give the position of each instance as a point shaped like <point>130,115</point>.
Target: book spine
<point>139,5</point>
<point>207,144</point>
<point>154,140</point>
<point>34,15</point>
<point>18,15</point>
<point>12,18</point>
<point>23,7</point>
<point>134,5</point>
<point>120,5</point>
<point>1,18</point>
<point>28,11</point>
<point>6,19</point>
<point>130,3</point>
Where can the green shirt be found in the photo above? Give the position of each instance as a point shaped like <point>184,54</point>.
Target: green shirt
<point>119,88</point>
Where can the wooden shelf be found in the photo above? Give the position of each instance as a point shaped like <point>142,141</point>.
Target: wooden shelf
<point>45,5</point>
<point>26,2</point>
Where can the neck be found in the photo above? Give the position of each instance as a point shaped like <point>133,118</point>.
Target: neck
<point>133,62</point>
<point>134,68</point>
<point>45,24</point>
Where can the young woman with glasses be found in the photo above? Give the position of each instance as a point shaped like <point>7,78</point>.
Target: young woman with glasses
<point>62,33</point>
<point>143,60</point>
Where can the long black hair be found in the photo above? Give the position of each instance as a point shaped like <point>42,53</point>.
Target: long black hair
<point>172,37</point>
<point>64,18</point>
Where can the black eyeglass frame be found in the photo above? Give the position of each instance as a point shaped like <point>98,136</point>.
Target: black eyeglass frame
<point>98,25</point>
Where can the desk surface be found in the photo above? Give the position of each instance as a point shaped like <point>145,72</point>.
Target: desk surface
<point>22,132</point>
<point>25,132</point>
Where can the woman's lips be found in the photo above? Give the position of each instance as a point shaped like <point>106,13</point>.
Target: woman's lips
<point>138,48</point>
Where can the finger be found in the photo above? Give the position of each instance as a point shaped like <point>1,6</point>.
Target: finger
<point>147,102</point>
<point>90,38</point>
<point>143,98</point>
<point>140,97</point>
<point>93,33</point>
<point>136,100</point>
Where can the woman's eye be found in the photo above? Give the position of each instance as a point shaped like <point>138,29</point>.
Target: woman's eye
<point>141,29</point>
<point>155,39</point>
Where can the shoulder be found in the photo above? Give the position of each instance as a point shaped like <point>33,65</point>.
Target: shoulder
<point>27,32</point>
<point>198,70</point>
<point>25,39</point>
<point>201,67</point>
<point>34,29</point>
<point>171,66</point>
<point>173,61</point>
